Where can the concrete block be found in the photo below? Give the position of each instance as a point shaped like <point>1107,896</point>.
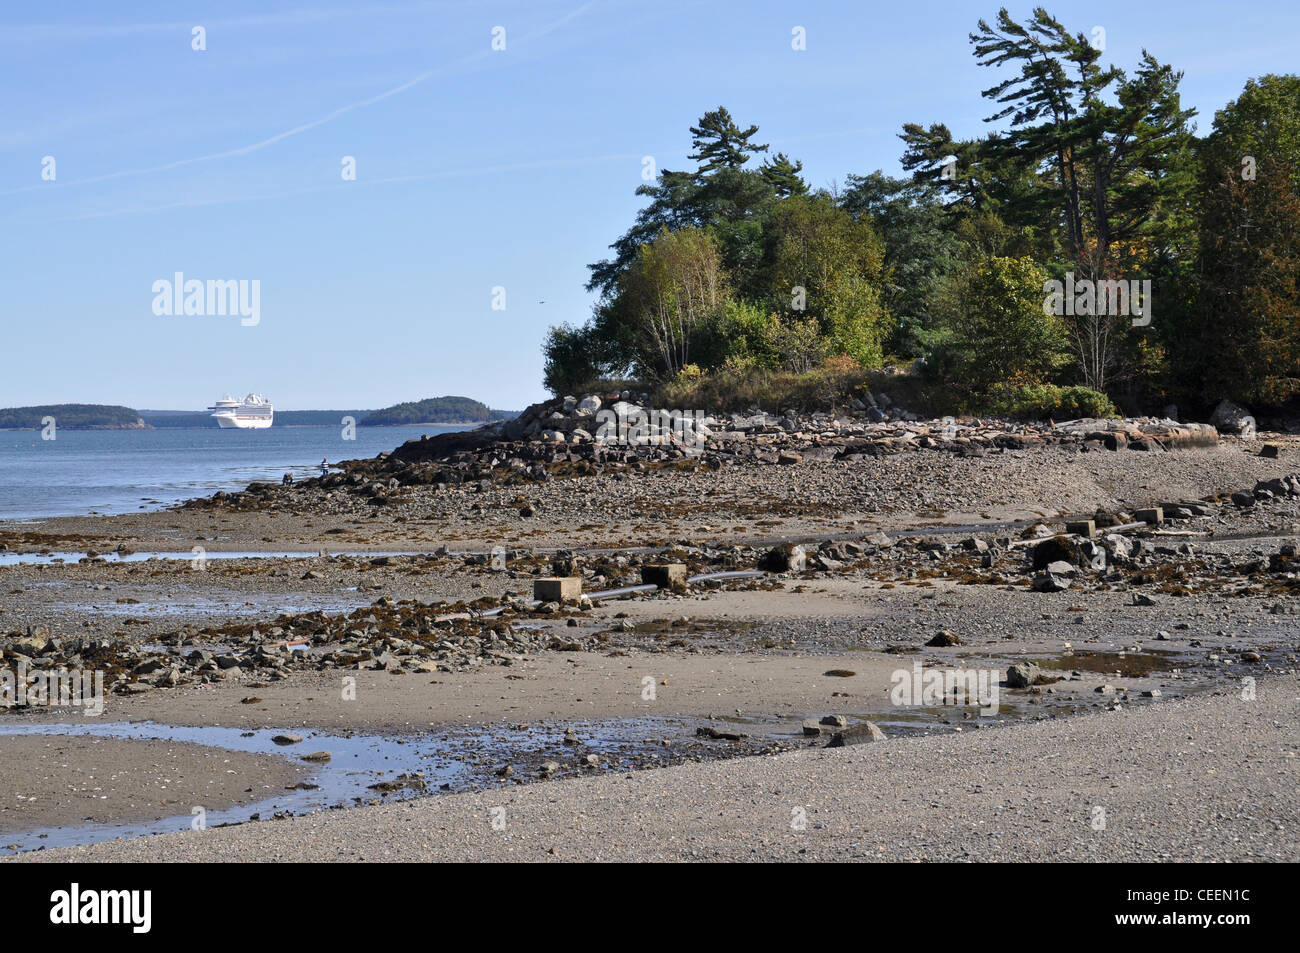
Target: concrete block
<point>664,575</point>
<point>558,588</point>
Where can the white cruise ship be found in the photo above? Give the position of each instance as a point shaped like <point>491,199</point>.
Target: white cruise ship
<point>254,412</point>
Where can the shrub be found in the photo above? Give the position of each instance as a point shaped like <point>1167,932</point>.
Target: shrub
<point>740,385</point>
<point>1044,401</point>
<point>999,330</point>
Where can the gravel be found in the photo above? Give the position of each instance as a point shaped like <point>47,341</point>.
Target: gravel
<point>1212,778</point>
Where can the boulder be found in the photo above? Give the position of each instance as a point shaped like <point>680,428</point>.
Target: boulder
<point>945,639</point>
<point>788,557</point>
<point>863,732</point>
<point>1233,419</point>
<point>1051,581</point>
<point>1119,547</point>
<point>1023,674</point>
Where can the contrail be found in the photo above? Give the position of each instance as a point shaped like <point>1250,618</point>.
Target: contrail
<point>329,117</point>
<point>360,183</point>
<point>27,34</point>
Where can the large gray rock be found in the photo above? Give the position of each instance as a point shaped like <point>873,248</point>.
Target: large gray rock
<point>1022,675</point>
<point>1055,579</point>
<point>784,558</point>
<point>1119,547</point>
<point>1234,419</point>
<point>863,732</point>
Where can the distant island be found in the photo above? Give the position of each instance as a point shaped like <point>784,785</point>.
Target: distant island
<point>72,417</point>
<point>435,410</point>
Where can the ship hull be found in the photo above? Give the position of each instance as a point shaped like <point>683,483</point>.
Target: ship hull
<point>245,423</point>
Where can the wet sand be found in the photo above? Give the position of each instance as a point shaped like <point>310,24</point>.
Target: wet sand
<point>747,659</point>
<point>1208,779</point>
<point>53,781</point>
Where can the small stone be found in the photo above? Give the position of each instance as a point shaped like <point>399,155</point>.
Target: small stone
<point>944,639</point>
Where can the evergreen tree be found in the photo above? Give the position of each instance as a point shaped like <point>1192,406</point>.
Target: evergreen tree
<point>721,144</point>
<point>783,175</point>
<point>719,190</point>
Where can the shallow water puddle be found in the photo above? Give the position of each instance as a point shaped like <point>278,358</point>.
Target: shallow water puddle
<point>1121,663</point>
<point>403,766</point>
<point>75,596</point>
<point>48,558</point>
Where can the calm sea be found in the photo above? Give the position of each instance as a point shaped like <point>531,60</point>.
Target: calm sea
<point>124,471</point>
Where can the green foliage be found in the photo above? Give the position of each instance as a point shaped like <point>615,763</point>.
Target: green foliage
<point>675,287</point>
<point>740,385</point>
<point>741,332</point>
<point>1244,340</point>
<point>719,193</point>
<point>1047,402</point>
<point>1094,162</point>
<point>720,143</point>
<point>922,249</point>
<point>72,417</point>
<point>783,175</point>
<point>823,265</point>
<point>576,358</point>
<point>726,264</point>
<point>999,329</point>
<point>1237,334</point>
<point>1263,123</point>
<point>434,410</point>
<point>1092,169</point>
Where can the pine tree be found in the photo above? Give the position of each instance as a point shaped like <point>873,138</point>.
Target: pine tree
<point>721,144</point>
<point>783,175</point>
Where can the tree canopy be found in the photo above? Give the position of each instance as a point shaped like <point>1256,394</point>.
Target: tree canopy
<point>1090,172</point>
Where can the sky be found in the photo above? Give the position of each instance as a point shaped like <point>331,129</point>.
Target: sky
<point>476,169</point>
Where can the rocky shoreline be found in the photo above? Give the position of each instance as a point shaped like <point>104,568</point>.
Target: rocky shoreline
<point>1089,576</point>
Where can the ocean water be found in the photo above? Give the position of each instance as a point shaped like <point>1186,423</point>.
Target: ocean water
<point>82,472</point>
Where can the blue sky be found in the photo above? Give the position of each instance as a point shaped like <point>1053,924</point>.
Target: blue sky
<point>475,168</point>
